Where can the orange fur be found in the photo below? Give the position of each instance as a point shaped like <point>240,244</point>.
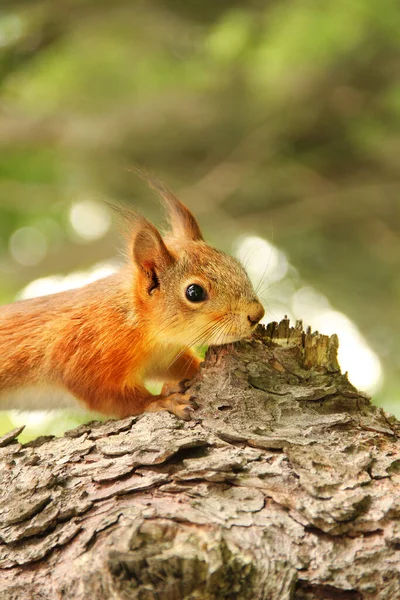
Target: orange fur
<point>100,342</point>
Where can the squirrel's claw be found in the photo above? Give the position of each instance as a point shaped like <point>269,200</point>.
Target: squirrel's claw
<point>180,405</point>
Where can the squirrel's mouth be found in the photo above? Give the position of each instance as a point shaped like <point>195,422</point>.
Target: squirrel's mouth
<point>232,328</point>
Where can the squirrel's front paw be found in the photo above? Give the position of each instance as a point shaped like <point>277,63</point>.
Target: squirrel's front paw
<point>180,405</point>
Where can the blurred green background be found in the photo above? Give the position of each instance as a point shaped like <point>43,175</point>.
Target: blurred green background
<point>278,123</point>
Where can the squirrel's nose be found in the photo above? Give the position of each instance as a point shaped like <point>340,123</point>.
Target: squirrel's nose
<point>256,313</point>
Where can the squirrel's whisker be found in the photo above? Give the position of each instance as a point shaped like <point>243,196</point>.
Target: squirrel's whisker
<point>206,331</point>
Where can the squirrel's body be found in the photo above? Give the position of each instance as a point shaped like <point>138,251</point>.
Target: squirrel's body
<point>100,342</point>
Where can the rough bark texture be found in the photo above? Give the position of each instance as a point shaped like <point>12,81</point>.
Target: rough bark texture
<point>284,486</point>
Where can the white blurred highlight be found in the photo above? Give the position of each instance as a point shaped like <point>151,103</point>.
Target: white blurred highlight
<point>28,246</point>
<point>36,417</point>
<point>60,283</point>
<point>260,258</point>
<point>90,219</point>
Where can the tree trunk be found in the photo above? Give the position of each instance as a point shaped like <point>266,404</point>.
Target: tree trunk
<point>285,485</point>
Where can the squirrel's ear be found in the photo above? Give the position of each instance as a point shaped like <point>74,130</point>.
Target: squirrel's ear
<point>184,225</point>
<point>150,253</point>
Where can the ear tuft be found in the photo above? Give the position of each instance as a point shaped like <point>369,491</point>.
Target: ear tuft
<point>183,223</point>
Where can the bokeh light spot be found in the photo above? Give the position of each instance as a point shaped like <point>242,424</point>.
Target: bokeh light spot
<point>28,246</point>
<point>90,219</point>
<point>59,283</point>
<point>262,260</point>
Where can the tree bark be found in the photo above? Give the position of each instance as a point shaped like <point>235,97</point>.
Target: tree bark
<point>285,485</point>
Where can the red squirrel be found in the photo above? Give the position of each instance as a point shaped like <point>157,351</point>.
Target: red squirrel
<point>100,343</point>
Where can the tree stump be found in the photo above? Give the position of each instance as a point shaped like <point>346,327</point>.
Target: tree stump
<point>285,485</point>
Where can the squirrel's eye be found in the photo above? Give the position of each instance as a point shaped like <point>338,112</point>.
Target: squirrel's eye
<point>195,293</point>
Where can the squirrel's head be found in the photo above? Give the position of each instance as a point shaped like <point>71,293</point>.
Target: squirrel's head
<point>194,293</point>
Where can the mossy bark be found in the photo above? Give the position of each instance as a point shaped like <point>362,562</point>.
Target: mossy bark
<point>285,485</point>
